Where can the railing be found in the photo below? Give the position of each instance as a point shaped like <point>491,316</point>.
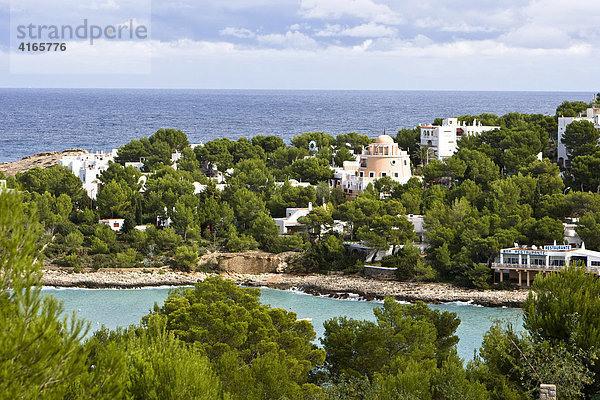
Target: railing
<point>526,266</point>
<point>594,269</point>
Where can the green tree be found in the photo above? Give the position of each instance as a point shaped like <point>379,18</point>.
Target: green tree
<point>175,139</point>
<point>512,364</point>
<point>254,175</point>
<point>585,170</point>
<point>217,217</point>
<point>134,151</point>
<point>341,155</point>
<point>323,140</point>
<point>580,138</point>
<point>188,160</point>
<point>548,177</point>
<point>247,207</point>
<point>185,258</point>
<point>565,311</point>
<point>542,231</point>
<point>328,254</point>
<point>159,157</point>
<point>317,219</point>
<point>480,168</point>
<point>116,172</point>
<point>268,143</point>
<point>386,231</point>
<point>74,240</point>
<point>288,196</point>
<point>114,200</point>
<point>258,352</point>
<point>56,180</point>
<point>312,169</point>
<point>264,230</point>
<point>408,263</point>
<point>409,139</point>
<point>216,154</point>
<point>40,353</point>
<point>401,333</point>
<point>588,230</point>
<point>243,150</point>
<point>353,141</point>
<point>240,242</point>
<point>571,108</point>
<point>183,213</point>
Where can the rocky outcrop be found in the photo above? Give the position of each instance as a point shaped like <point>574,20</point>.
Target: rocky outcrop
<point>331,285</point>
<point>371,289</point>
<point>42,160</point>
<point>248,262</point>
<point>120,278</point>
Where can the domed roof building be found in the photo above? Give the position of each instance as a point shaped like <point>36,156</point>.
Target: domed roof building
<point>384,139</point>
<point>379,159</point>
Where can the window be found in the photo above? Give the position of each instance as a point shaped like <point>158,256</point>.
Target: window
<point>558,263</point>
<point>396,174</point>
<point>371,174</point>
<point>404,162</point>
<point>538,261</point>
<point>116,225</point>
<point>383,173</point>
<point>511,260</point>
<point>361,174</point>
<point>595,263</point>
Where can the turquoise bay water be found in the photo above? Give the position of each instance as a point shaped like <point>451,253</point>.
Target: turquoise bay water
<point>123,307</point>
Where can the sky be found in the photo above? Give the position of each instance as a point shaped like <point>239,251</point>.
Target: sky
<point>548,45</point>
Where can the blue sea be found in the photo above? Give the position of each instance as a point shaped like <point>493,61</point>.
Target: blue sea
<point>36,120</point>
<point>123,307</point>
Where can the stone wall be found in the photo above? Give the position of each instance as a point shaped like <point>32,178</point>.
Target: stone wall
<point>547,392</point>
<point>375,272</point>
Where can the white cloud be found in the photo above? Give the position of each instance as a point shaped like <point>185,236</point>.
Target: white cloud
<point>533,36</point>
<point>291,39</point>
<point>104,5</point>
<point>363,9</point>
<point>365,30</point>
<point>495,42</point>
<point>446,25</point>
<point>554,24</point>
<point>242,33</point>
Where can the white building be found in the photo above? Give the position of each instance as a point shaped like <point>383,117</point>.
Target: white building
<point>293,183</point>
<point>3,186</point>
<point>571,235</point>
<point>116,224</point>
<point>443,139</point>
<point>379,159</point>
<point>88,167</point>
<point>591,114</point>
<point>417,221</point>
<point>289,223</point>
<point>200,188</point>
<point>523,262</point>
<point>137,165</point>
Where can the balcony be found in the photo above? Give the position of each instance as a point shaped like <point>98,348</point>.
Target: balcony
<point>529,267</point>
<point>594,269</point>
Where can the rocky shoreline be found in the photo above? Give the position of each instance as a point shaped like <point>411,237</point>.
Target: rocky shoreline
<point>332,285</point>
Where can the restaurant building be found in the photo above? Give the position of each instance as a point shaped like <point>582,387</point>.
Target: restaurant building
<point>523,263</point>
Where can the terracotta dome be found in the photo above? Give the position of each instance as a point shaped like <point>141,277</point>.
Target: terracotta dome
<point>384,139</point>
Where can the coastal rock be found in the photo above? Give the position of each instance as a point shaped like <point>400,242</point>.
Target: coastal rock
<point>120,278</point>
<point>42,160</point>
<point>248,262</point>
<point>331,285</point>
